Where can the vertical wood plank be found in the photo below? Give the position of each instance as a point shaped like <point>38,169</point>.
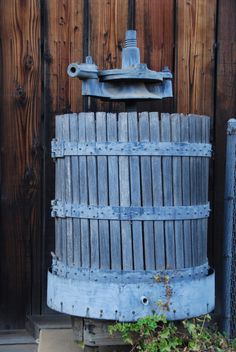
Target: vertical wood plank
<point>186,194</point>
<point>124,185</point>
<point>113,180</point>
<point>225,109</point>
<point>62,27</point>
<point>159,234</point>
<point>205,182</point>
<point>195,56</point>
<point>92,192</point>
<point>193,191</point>
<point>74,136</point>
<point>168,193</point>
<point>108,21</point>
<point>102,179</point>
<point>83,191</point>
<point>59,188</point>
<point>135,194</point>
<point>146,185</point>
<point>154,22</point>
<point>20,225</point>
<point>200,235</point>
<point>68,234</point>
<point>177,192</point>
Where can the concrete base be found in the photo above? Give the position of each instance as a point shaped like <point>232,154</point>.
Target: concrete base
<point>57,340</point>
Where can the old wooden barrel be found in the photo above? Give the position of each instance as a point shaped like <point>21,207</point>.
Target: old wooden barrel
<point>131,209</point>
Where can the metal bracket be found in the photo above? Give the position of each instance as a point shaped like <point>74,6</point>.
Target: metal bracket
<point>231,128</point>
<point>63,210</point>
<point>126,276</point>
<point>63,148</point>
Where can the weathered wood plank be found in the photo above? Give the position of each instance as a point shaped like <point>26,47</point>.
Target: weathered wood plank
<point>168,193</point>
<point>96,333</point>
<point>135,194</point>
<point>102,183</point>
<point>159,235</point>
<point>195,54</point>
<point>193,190</point>
<point>108,22</point>
<point>59,188</point>
<point>205,182</point>
<point>146,187</point>
<point>92,192</point>
<point>113,180</point>
<point>83,191</point>
<point>177,191</point>
<point>67,236</point>
<point>186,194</point>
<point>62,28</point>
<point>20,225</point>
<point>124,186</point>
<point>63,44</point>
<point>74,136</point>
<point>200,235</point>
<point>154,22</point>
<point>225,105</point>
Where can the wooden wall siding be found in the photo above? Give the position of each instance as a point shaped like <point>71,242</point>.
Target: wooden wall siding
<point>225,108</point>
<point>155,23</point>
<point>108,21</point>
<point>38,38</point>
<point>195,56</point>
<point>20,224</point>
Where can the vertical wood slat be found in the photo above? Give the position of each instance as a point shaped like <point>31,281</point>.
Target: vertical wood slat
<point>146,186</point>
<point>83,191</point>
<point>205,182</point>
<point>74,137</point>
<point>63,198</point>
<point>67,234</point>
<point>135,194</point>
<point>199,236</point>
<point>102,180</point>
<point>193,191</point>
<point>124,185</point>
<point>159,235</point>
<point>168,193</point>
<point>177,192</point>
<point>186,194</point>
<point>59,186</point>
<point>113,180</point>
<point>92,191</point>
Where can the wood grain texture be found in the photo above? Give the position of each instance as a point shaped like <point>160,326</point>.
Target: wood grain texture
<point>195,55</point>
<point>225,109</point>
<point>63,35</point>
<point>108,21</point>
<point>20,225</point>
<point>154,22</point>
